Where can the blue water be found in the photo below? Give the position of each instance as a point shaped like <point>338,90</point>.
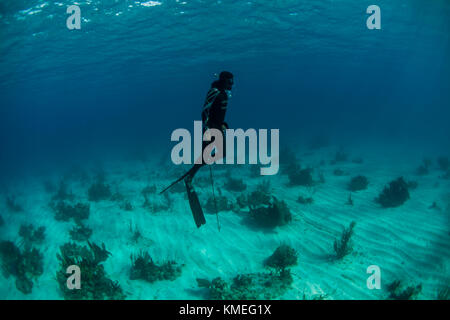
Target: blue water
<point>138,70</point>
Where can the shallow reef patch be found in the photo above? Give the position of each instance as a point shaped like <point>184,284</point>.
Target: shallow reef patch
<point>144,268</point>
<point>251,286</point>
<point>276,213</point>
<point>343,246</point>
<point>95,282</point>
<point>24,266</point>
<point>284,256</point>
<point>397,290</point>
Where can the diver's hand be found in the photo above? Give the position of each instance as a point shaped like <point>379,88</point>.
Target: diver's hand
<point>207,135</point>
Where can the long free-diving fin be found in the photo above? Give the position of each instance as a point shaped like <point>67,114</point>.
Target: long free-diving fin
<point>196,208</point>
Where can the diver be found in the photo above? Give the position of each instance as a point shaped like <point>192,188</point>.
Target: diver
<point>213,117</point>
<point>213,114</point>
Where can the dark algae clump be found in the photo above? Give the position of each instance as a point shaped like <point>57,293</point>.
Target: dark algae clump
<point>222,203</point>
<point>260,196</point>
<point>443,293</point>
<point>398,291</point>
<point>65,211</point>
<point>343,246</point>
<point>236,185</point>
<point>99,190</point>
<point>30,235</point>
<point>252,286</point>
<point>283,257</point>
<point>275,214</point>
<point>144,268</point>
<point>80,232</point>
<point>394,195</point>
<point>358,183</point>
<point>24,266</point>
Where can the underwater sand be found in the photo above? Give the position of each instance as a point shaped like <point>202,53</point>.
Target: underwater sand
<point>410,242</point>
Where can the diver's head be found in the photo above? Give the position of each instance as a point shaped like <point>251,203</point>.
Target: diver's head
<point>226,80</point>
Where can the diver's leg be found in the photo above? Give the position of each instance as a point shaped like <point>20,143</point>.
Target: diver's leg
<point>191,173</point>
<point>197,166</point>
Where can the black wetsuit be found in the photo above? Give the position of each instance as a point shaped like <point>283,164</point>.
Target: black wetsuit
<point>213,116</point>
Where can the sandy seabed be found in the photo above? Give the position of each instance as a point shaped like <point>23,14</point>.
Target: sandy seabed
<point>409,242</point>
